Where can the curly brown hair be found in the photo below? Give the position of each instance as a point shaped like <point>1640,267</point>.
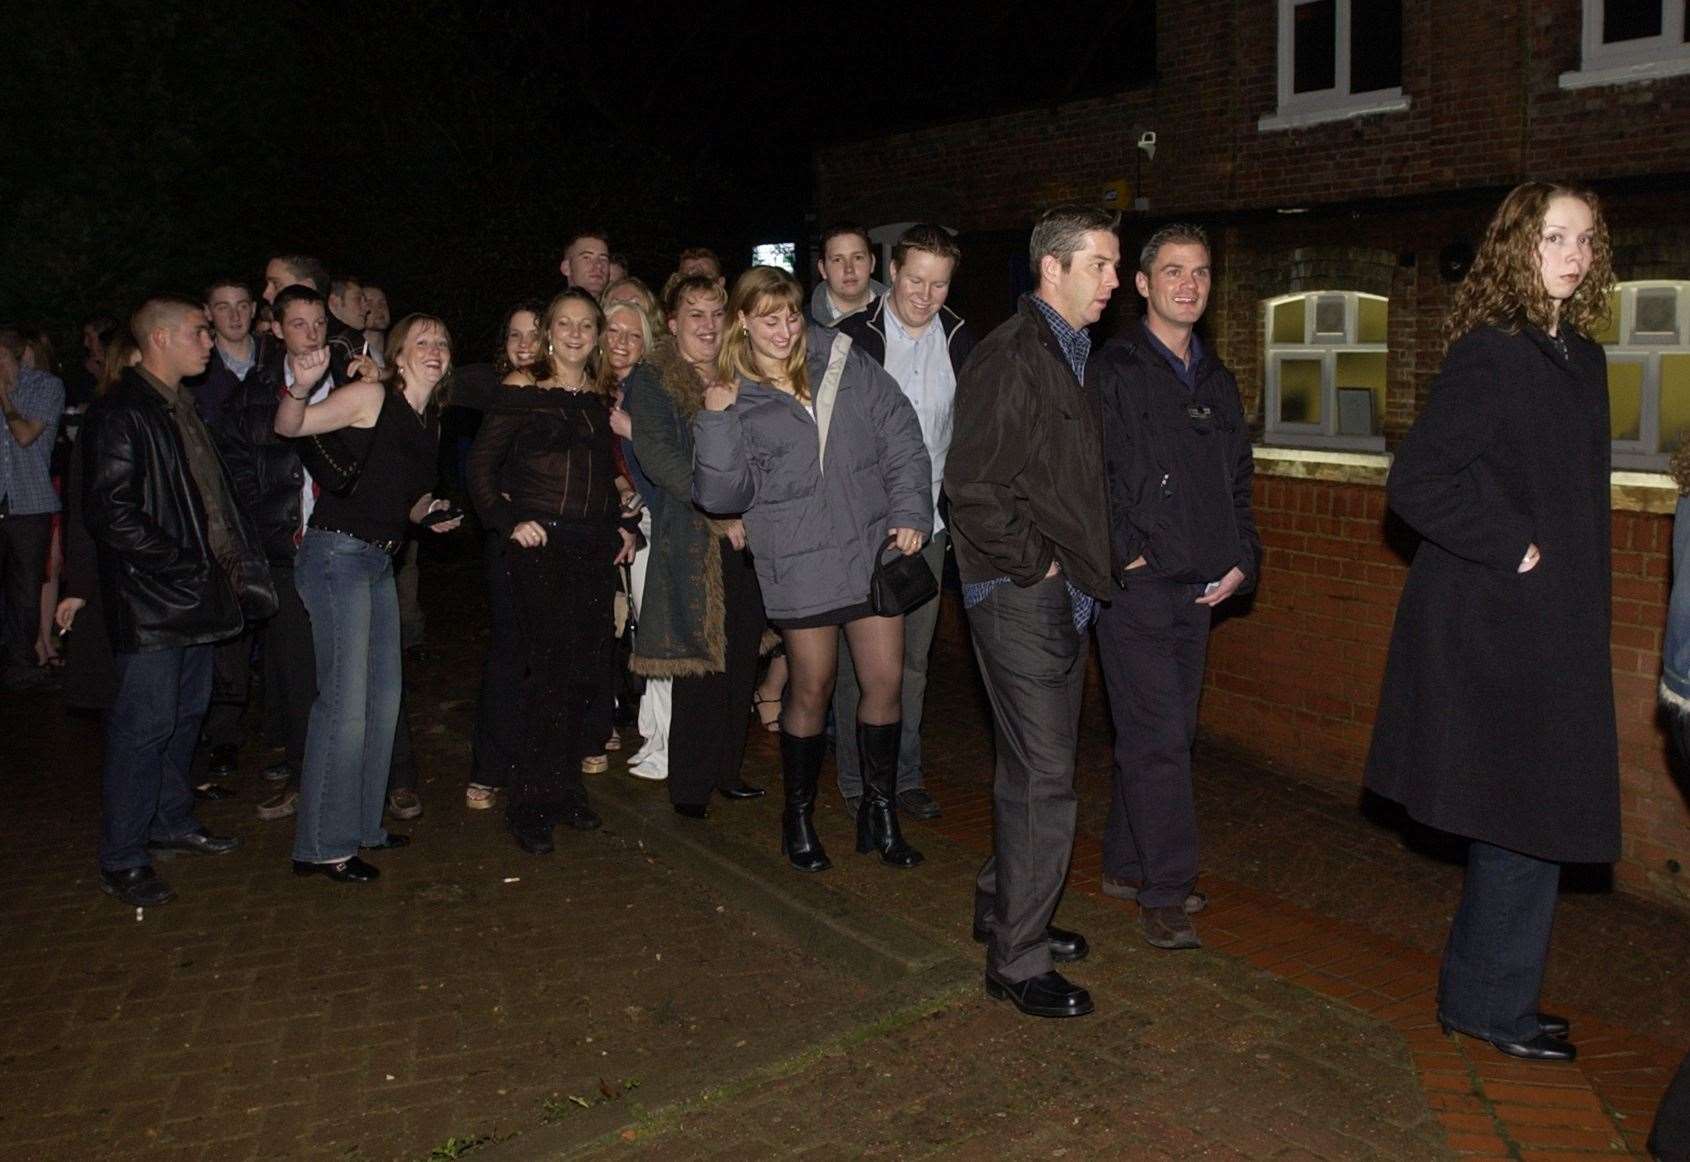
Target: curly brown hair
<point>1504,288</point>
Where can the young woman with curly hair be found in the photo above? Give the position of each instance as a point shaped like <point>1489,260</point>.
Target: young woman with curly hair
<point>1496,720</point>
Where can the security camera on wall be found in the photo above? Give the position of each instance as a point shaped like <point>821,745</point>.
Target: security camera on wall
<point>1147,142</point>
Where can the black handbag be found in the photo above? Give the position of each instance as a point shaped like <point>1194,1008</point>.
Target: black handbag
<point>901,584</point>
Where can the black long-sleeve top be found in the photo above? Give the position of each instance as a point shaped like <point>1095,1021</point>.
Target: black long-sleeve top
<point>545,452</point>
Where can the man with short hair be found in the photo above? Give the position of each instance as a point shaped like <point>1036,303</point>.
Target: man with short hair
<point>847,271</point>
<point>586,262</point>
<point>1029,520</point>
<point>287,270</point>
<point>701,260</point>
<point>348,315</point>
<point>377,319</point>
<point>179,570</point>
<point>236,355</point>
<point>1178,461</point>
<point>923,344</point>
<point>31,402</point>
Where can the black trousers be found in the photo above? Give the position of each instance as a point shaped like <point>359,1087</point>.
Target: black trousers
<point>290,686</point>
<point>562,596</point>
<point>1033,663</point>
<point>231,678</point>
<point>496,741</point>
<point>711,712</point>
<point>23,563</point>
<point>1152,640</point>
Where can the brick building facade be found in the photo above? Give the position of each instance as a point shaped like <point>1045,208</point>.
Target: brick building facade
<point>1371,199</point>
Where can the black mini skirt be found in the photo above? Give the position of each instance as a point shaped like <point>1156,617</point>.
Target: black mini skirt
<point>831,617</point>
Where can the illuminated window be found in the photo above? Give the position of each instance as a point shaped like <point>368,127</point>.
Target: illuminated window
<point>1648,345</point>
<point>1631,40</point>
<point>1325,370</point>
<point>781,254</point>
<point>1337,59</point>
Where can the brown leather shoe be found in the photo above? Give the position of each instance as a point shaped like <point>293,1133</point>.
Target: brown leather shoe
<point>1169,928</point>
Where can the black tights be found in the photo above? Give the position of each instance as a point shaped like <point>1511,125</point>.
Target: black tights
<point>812,658</point>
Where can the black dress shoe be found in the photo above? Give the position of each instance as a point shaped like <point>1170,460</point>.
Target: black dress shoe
<point>918,804</point>
<point>1049,994</point>
<point>351,870</point>
<point>223,761</point>
<point>1544,1047</point>
<point>393,840</point>
<point>691,810</point>
<point>212,793</point>
<point>1553,1025</point>
<point>138,887</point>
<point>742,791</point>
<point>1065,946</point>
<point>533,838</point>
<point>580,816</point>
<point>200,842</point>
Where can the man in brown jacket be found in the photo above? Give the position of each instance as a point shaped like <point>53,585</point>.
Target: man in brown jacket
<point>1030,521</point>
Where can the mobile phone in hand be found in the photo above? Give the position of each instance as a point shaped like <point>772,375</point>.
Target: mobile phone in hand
<point>440,516</point>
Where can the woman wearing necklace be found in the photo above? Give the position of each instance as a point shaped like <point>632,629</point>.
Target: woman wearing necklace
<point>819,449</point>
<point>542,473</point>
<point>374,452</point>
<point>1496,720</point>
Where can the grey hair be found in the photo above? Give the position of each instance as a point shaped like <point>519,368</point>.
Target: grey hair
<point>1174,232</point>
<point>1062,230</point>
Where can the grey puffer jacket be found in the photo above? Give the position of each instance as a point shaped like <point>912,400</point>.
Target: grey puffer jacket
<point>817,495</point>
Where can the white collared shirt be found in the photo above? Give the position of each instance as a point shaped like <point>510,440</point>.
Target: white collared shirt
<point>922,366</point>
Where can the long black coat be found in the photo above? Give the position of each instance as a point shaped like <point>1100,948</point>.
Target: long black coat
<point>1496,720</point>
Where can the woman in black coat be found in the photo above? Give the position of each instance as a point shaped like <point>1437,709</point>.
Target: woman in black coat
<point>1496,721</point>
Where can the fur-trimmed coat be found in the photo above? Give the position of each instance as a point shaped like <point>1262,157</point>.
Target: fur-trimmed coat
<point>1496,720</point>
<point>682,627</point>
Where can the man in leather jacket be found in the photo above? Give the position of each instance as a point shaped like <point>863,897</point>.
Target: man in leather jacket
<point>179,570</point>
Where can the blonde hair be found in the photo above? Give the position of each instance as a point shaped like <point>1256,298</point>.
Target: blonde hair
<point>606,377</point>
<point>763,290</point>
<point>1504,288</point>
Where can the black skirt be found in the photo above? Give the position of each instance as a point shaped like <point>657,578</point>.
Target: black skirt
<point>831,617</point>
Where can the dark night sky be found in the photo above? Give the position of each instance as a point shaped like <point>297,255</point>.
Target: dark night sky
<point>449,149</point>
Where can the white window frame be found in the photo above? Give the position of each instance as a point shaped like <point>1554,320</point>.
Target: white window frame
<point>1645,453</point>
<point>1324,434</point>
<point>1297,110</point>
<point>1644,59</point>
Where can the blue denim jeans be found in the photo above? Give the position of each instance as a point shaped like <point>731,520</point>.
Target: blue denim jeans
<point>1493,965</point>
<point>347,587</point>
<point>151,730</point>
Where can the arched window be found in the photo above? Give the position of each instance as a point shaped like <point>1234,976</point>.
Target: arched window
<point>1325,370</point>
<point>1648,345</point>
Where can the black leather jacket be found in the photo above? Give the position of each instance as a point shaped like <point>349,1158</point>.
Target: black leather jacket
<point>161,585</point>
<point>264,467</point>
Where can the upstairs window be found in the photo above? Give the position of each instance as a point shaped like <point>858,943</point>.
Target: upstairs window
<point>781,254</point>
<point>1325,370</point>
<point>1630,40</point>
<point>1337,59</point>
<point>1648,346</point>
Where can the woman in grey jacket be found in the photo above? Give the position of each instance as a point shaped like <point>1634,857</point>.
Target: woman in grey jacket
<point>821,452</point>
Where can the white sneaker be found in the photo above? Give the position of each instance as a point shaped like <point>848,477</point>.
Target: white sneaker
<point>648,770</point>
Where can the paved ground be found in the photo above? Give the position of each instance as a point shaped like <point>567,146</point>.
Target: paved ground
<point>670,989</point>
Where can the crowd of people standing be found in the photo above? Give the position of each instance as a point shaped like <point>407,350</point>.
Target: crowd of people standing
<point>770,482</point>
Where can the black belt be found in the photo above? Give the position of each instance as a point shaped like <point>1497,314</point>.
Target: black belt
<point>388,547</point>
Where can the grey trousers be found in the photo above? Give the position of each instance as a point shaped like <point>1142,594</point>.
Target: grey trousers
<point>1033,662</point>
<point>919,625</point>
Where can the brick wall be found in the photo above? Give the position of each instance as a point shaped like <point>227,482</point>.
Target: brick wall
<point>1295,681</point>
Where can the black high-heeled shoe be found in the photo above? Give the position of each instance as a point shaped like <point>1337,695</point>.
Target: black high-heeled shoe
<point>741,791</point>
<point>877,812</point>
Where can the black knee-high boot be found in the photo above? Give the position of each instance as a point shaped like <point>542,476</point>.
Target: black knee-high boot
<point>877,814</point>
<point>800,766</point>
